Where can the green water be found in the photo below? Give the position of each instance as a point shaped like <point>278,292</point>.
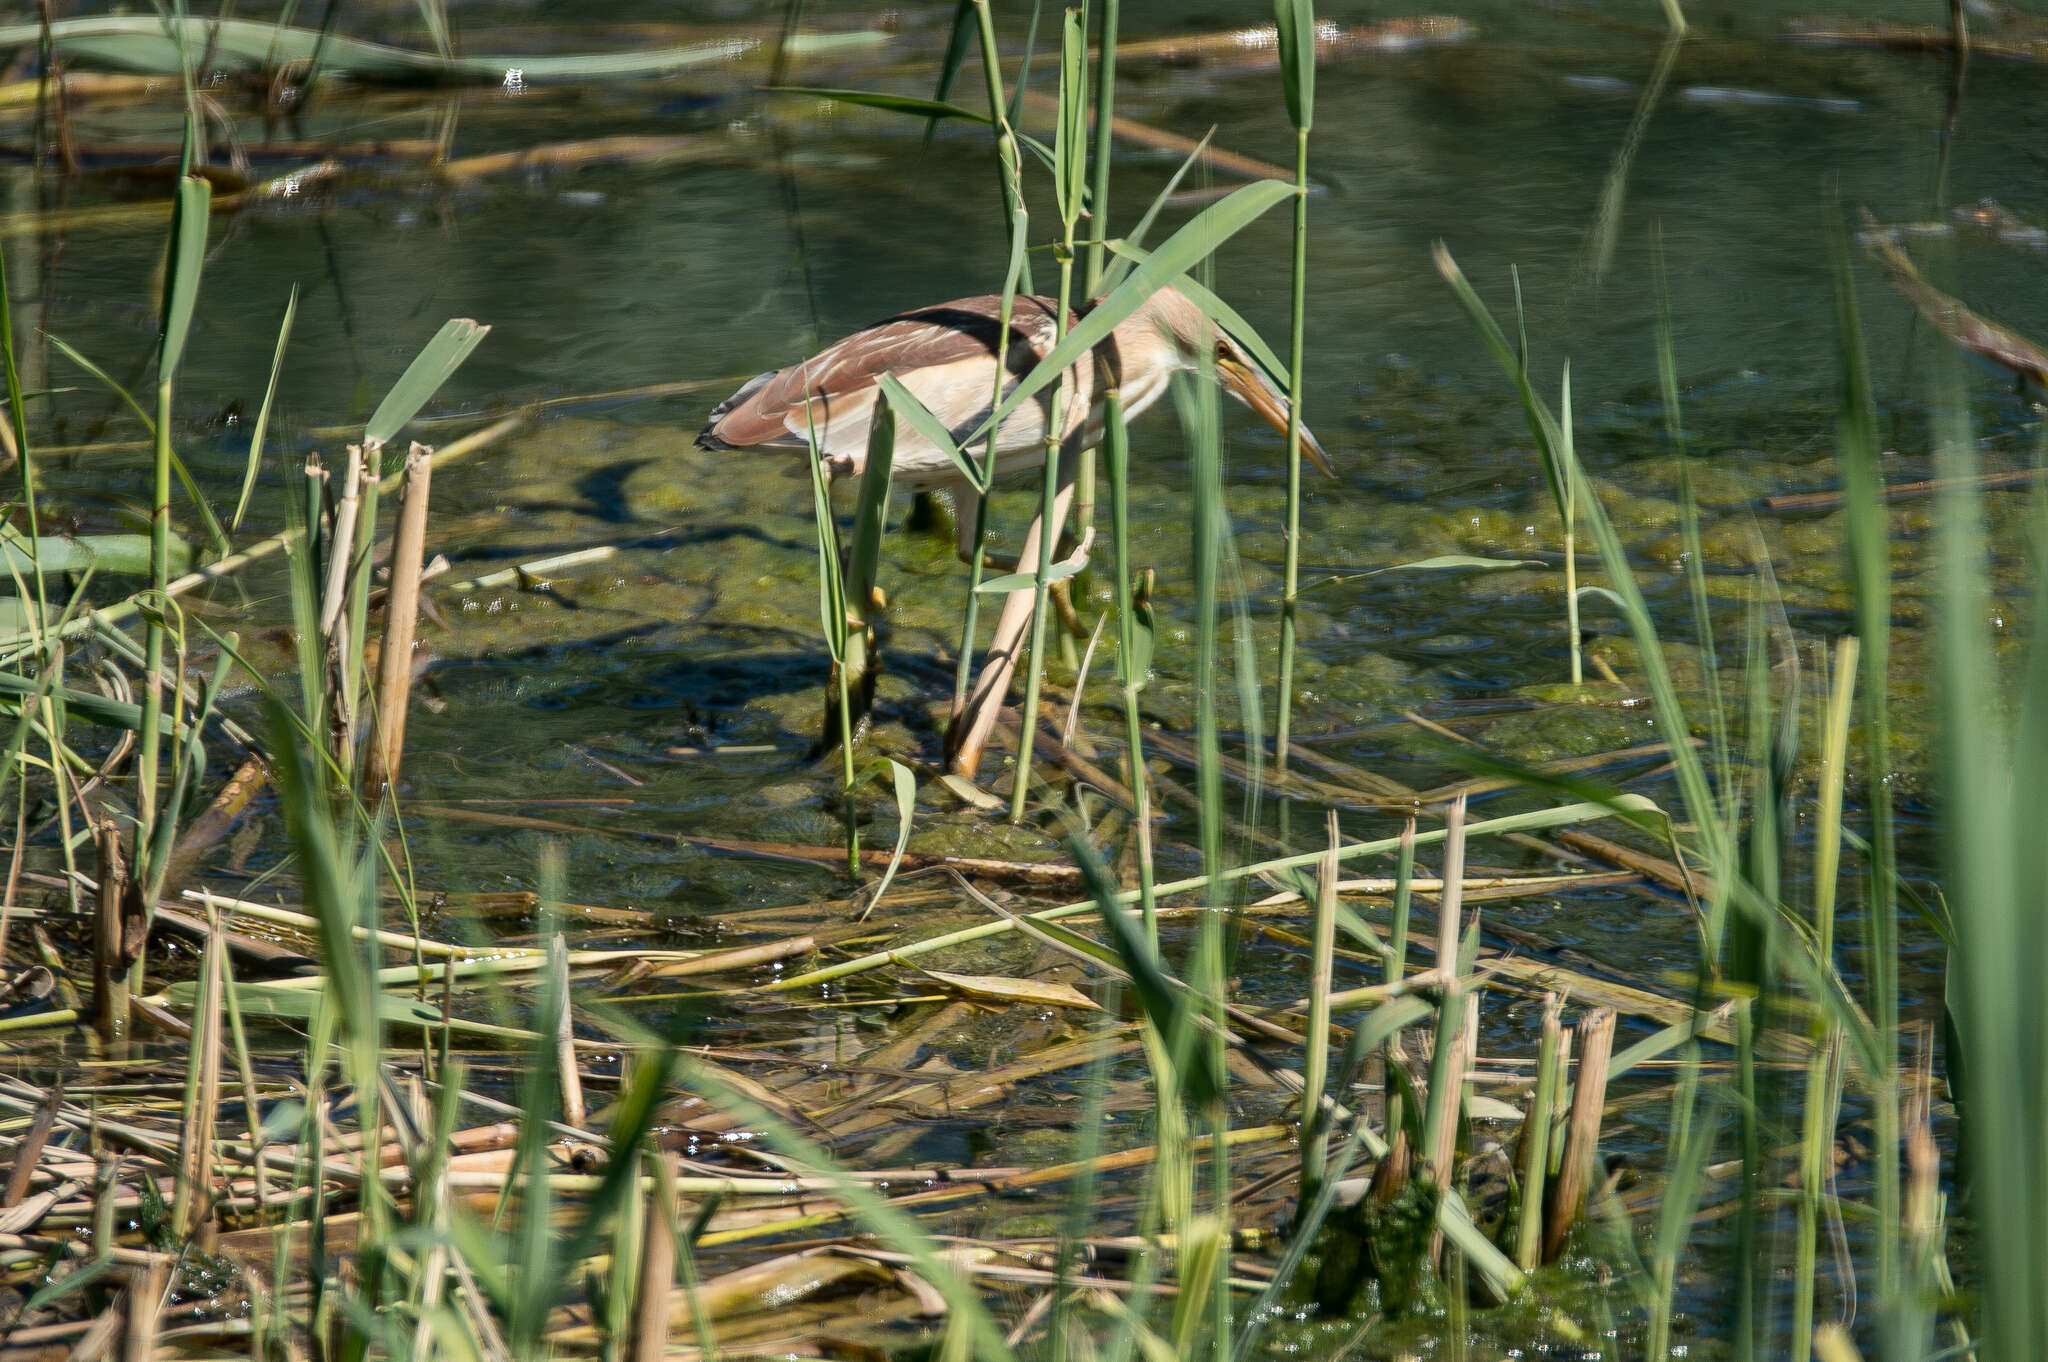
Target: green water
<point>627,677</point>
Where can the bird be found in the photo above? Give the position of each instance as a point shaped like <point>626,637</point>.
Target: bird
<point>946,356</point>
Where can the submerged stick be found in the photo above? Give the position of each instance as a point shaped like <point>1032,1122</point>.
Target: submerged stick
<point>401,619</point>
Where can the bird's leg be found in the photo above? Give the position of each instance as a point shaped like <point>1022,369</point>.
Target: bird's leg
<point>975,719</point>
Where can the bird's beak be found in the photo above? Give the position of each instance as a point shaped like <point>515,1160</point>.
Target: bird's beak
<point>1250,387</point>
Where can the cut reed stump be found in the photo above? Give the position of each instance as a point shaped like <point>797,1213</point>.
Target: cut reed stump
<point>401,621</point>
<point>1582,1135</point>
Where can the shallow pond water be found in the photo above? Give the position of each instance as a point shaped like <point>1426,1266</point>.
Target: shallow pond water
<point>681,677</point>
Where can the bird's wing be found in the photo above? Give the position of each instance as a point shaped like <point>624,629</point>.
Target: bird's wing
<point>948,337</point>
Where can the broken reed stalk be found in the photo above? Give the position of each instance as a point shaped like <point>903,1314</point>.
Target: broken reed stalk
<point>1582,1136</point>
<point>356,636</point>
<point>401,620</point>
<point>652,1302</point>
<point>340,703</point>
<point>109,946</point>
<point>28,1150</point>
<point>1533,1163</point>
<point>145,1301</point>
<point>565,1034</point>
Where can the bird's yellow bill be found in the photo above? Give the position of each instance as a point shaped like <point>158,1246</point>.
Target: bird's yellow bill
<point>1252,389</point>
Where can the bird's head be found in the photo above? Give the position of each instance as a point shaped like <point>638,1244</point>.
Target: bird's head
<point>1198,342</point>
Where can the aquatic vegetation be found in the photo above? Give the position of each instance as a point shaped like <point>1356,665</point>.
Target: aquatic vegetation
<point>553,995</point>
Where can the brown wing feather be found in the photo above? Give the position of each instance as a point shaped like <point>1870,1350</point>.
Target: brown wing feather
<point>765,411</point>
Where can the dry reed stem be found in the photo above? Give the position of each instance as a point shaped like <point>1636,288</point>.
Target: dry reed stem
<point>28,1151</point>
<point>340,543</point>
<point>653,1305</point>
<point>101,1333</point>
<point>109,939</point>
<point>401,620</point>
<point>1665,872</point>
<point>569,1078</point>
<point>145,1302</point>
<point>1582,1136</point>
<point>1905,491</point>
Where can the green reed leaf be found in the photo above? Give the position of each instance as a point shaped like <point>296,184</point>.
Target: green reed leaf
<point>118,553</point>
<point>1296,22</point>
<point>284,338</point>
<point>929,428</point>
<point>1195,241</point>
<point>423,378</point>
<point>190,212</point>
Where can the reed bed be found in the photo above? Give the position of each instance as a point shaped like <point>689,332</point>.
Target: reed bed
<point>1316,1097</point>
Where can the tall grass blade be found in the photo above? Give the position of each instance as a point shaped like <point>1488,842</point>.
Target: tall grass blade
<point>187,257</point>
<point>262,426</point>
<point>1870,584</point>
<point>1993,790</point>
<point>1133,658</point>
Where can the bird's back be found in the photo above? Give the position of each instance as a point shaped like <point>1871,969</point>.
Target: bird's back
<point>944,353</point>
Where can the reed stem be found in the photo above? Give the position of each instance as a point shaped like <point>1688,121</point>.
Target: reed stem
<point>1283,724</point>
<point>1049,533</point>
<point>1131,667</point>
<point>1069,158</point>
<point>401,612</point>
<point>1019,219</point>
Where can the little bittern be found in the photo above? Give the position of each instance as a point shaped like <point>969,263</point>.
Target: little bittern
<point>946,356</point>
